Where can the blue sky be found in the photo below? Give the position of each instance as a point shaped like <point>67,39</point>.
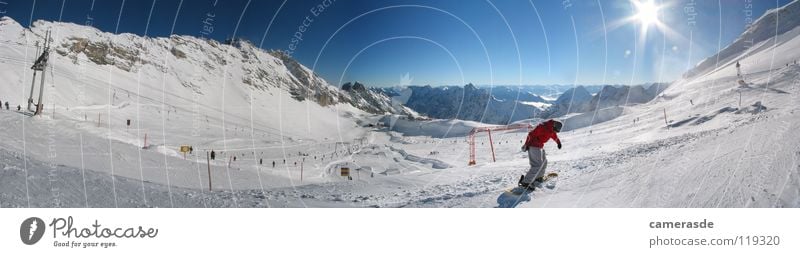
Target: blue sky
<point>447,42</point>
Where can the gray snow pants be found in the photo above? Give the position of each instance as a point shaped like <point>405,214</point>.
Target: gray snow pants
<point>538,161</point>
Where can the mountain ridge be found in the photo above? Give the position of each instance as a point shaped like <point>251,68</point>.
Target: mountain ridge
<point>190,60</point>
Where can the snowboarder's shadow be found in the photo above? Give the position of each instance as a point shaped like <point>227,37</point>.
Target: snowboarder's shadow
<point>513,197</point>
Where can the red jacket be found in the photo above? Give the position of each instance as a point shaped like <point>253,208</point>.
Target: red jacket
<point>539,135</point>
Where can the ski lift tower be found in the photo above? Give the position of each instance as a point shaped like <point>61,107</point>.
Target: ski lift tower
<point>41,66</point>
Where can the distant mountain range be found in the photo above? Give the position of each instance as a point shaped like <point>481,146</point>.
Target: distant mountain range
<point>580,100</point>
<point>499,105</point>
<point>507,104</point>
<point>545,91</point>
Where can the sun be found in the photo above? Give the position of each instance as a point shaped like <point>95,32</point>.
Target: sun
<point>647,15</point>
<point>646,12</point>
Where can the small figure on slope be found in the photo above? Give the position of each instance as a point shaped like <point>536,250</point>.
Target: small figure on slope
<point>738,70</point>
<point>537,157</point>
<point>740,76</point>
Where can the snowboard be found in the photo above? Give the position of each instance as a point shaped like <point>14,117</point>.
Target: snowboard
<point>512,197</point>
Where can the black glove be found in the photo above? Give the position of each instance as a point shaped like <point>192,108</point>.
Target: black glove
<point>559,145</point>
<point>524,148</point>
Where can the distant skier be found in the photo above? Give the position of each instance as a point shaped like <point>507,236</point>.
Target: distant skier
<point>273,164</point>
<point>537,157</point>
<point>738,70</point>
<point>7,106</point>
<point>213,155</point>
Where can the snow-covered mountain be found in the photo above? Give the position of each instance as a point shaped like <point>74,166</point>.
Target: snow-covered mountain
<point>246,64</point>
<point>375,101</point>
<point>189,61</point>
<point>625,95</point>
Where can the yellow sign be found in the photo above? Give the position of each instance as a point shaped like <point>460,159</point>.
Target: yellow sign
<point>184,149</point>
<point>345,172</point>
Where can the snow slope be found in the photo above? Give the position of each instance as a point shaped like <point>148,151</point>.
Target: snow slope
<point>774,26</point>
<point>201,98</point>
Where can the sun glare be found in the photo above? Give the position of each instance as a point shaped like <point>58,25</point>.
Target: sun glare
<point>647,12</point>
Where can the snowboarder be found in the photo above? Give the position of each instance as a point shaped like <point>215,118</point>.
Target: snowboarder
<point>537,157</point>
<point>18,107</point>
